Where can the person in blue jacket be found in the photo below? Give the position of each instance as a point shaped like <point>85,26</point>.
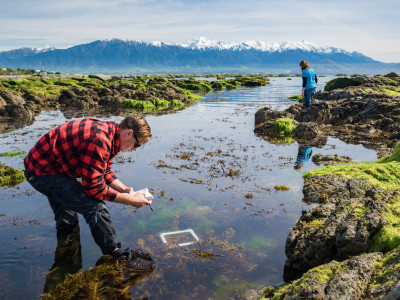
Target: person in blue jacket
<point>309,82</point>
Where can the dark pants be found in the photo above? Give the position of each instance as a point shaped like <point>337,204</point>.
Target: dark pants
<point>67,198</point>
<point>308,94</point>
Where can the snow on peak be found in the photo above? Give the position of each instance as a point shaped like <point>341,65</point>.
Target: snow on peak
<point>43,49</point>
<point>203,43</point>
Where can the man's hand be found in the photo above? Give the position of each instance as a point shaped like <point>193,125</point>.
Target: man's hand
<point>136,200</point>
<point>128,190</point>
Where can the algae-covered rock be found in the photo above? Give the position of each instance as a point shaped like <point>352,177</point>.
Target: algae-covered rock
<point>340,83</point>
<point>358,212</point>
<point>365,276</point>
<point>329,159</point>
<point>10,176</point>
<point>365,109</point>
<point>335,280</point>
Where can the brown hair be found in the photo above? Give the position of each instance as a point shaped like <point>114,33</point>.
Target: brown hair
<point>138,124</point>
<point>304,65</point>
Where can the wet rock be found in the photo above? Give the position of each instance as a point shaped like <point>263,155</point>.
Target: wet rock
<point>335,280</point>
<point>15,108</point>
<point>329,159</point>
<point>342,226</point>
<point>365,109</point>
<point>306,130</point>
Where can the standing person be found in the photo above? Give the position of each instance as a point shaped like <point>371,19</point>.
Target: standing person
<point>310,81</point>
<point>85,149</point>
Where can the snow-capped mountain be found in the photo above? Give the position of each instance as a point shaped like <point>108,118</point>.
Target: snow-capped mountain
<point>205,44</point>
<point>200,55</point>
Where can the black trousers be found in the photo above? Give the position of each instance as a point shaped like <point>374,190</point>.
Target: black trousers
<point>67,198</point>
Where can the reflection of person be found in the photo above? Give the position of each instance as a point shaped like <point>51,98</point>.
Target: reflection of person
<point>303,156</point>
<point>67,259</point>
<point>310,81</point>
<point>84,148</point>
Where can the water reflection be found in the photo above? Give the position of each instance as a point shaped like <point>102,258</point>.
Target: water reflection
<point>303,156</point>
<point>67,258</point>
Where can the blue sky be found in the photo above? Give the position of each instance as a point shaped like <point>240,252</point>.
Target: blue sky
<point>370,27</point>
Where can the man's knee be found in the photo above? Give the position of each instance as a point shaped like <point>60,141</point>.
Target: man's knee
<point>97,213</point>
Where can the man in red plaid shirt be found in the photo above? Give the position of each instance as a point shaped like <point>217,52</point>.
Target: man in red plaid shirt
<point>85,149</point>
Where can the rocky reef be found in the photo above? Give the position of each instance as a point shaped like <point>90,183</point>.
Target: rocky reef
<point>357,109</point>
<point>366,276</point>
<point>346,247</point>
<point>21,99</point>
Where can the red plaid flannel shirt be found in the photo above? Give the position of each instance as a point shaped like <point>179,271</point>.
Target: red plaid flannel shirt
<point>80,148</point>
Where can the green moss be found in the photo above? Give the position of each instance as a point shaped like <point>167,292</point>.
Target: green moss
<point>199,87</point>
<point>284,127</point>
<point>176,103</point>
<point>386,239</point>
<point>160,103</point>
<point>253,83</point>
<point>230,87</point>
<point>139,105</point>
<point>384,173</point>
<point>10,176</point>
<point>296,98</point>
<point>339,83</point>
<point>320,274</point>
<point>395,156</point>
<point>217,86</point>
<point>12,153</point>
<point>191,96</point>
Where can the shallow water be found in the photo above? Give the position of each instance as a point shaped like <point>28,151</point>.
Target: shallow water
<point>208,172</point>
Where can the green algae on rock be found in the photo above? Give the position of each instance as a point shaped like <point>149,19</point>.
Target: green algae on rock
<point>359,211</point>
<point>366,276</point>
<point>384,173</point>
<point>284,127</point>
<point>12,153</point>
<point>281,188</point>
<point>296,98</point>
<point>10,176</point>
<point>349,279</point>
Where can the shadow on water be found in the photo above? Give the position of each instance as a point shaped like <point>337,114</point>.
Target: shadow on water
<point>208,172</point>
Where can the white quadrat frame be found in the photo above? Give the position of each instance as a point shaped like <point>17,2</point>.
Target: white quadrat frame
<point>163,235</point>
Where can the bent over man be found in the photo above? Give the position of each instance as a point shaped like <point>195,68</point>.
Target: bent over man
<point>85,149</point>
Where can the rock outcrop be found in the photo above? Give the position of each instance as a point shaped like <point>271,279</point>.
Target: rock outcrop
<point>365,109</point>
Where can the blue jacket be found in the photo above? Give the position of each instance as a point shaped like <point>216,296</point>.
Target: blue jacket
<point>310,78</point>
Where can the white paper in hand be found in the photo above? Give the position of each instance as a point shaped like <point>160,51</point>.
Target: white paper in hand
<point>147,195</point>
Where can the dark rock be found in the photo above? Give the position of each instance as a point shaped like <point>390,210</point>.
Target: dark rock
<point>341,226</point>
<point>306,130</point>
<point>329,159</point>
<point>335,280</point>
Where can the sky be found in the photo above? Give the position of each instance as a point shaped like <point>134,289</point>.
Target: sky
<point>369,27</point>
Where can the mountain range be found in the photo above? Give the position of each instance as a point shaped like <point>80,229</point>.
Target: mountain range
<point>116,56</point>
